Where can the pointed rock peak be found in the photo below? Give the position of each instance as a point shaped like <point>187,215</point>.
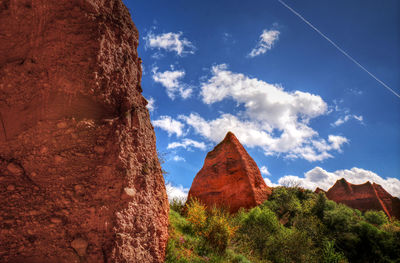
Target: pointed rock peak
<point>229,178</point>
<point>319,190</point>
<point>230,136</point>
<point>344,183</point>
<point>342,180</point>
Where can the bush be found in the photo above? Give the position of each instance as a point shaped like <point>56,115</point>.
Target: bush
<point>257,225</point>
<point>290,245</point>
<point>219,230</point>
<point>376,217</point>
<point>197,216</point>
<point>285,203</point>
<point>329,254</point>
<point>340,218</point>
<point>320,206</point>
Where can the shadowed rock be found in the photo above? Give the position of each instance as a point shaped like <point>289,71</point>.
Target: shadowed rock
<point>229,178</point>
<point>80,179</point>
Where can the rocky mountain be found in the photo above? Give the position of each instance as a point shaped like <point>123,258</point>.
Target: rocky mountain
<point>367,196</point>
<point>229,178</point>
<point>80,180</point>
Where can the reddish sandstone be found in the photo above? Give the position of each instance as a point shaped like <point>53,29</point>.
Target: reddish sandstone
<point>80,179</point>
<point>229,178</point>
<point>364,197</point>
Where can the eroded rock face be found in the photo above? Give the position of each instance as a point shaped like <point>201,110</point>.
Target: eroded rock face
<point>364,197</point>
<point>229,178</point>
<point>80,179</point>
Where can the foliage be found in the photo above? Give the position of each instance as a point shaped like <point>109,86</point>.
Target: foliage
<point>294,225</point>
<point>178,205</point>
<point>219,230</point>
<point>197,216</point>
<point>256,226</point>
<point>376,217</point>
<point>329,254</point>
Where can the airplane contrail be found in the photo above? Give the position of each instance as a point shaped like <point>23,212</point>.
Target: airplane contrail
<point>339,48</point>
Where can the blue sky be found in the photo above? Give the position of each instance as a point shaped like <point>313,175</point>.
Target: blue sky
<point>303,110</point>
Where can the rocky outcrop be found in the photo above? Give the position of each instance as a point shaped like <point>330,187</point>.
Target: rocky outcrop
<point>80,180</point>
<point>229,178</point>
<point>364,197</point>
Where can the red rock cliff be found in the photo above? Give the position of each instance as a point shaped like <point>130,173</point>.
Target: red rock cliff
<point>79,176</point>
<point>364,197</point>
<point>229,178</point>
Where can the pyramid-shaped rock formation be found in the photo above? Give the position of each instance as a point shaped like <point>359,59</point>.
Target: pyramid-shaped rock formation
<point>229,178</point>
<point>367,196</point>
<point>80,180</point>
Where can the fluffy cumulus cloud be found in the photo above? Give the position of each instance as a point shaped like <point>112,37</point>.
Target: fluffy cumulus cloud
<point>173,42</point>
<point>273,119</point>
<point>171,80</point>
<point>346,118</point>
<point>264,170</point>
<point>187,144</point>
<point>265,43</point>
<point>169,125</point>
<point>176,192</point>
<point>318,177</point>
<point>269,183</point>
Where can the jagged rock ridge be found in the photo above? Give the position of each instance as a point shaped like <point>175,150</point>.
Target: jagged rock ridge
<point>367,196</point>
<point>80,179</point>
<point>229,178</point>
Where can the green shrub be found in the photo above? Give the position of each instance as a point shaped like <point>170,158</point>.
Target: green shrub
<point>329,254</point>
<point>285,202</point>
<point>197,216</point>
<point>290,245</point>
<point>340,218</point>
<point>219,231</point>
<point>376,217</point>
<point>257,225</point>
<point>319,206</point>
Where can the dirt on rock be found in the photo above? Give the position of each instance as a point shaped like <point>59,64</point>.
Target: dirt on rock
<point>230,178</point>
<point>80,179</point>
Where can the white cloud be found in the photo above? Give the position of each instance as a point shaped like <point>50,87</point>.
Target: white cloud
<point>171,80</point>
<point>187,143</point>
<point>346,118</point>
<point>336,141</point>
<point>273,119</point>
<point>150,104</point>
<point>178,158</point>
<point>264,170</point>
<point>269,183</point>
<point>169,125</point>
<point>267,40</point>
<point>173,42</point>
<point>318,177</point>
<point>176,192</point>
